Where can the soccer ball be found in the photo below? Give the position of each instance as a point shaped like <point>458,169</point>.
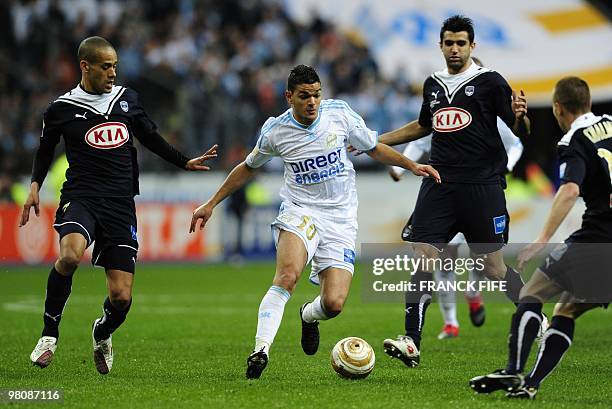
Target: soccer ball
<point>352,358</point>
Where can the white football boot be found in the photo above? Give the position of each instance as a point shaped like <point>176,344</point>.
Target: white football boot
<point>102,351</point>
<point>404,349</point>
<point>42,355</point>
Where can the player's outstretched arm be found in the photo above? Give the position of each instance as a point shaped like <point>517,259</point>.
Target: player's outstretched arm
<point>234,181</point>
<point>563,202</point>
<point>154,142</point>
<point>409,132</point>
<point>389,156</point>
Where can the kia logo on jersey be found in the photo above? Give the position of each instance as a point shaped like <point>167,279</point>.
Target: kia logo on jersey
<point>451,119</point>
<point>108,135</point>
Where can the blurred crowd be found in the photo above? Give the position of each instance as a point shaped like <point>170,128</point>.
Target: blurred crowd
<point>207,71</point>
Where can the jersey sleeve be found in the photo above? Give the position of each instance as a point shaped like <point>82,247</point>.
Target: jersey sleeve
<point>359,135</point>
<point>49,138</point>
<point>572,165</point>
<point>512,144</point>
<point>425,114</point>
<point>263,151</point>
<point>502,95</point>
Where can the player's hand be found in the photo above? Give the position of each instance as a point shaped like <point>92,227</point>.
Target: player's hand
<point>394,175</point>
<point>519,105</point>
<point>203,212</point>
<point>353,150</point>
<point>32,201</point>
<point>426,171</point>
<point>198,163</point>
<point>528,252</point>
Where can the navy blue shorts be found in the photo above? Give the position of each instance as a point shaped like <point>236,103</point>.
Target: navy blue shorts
<point>476,210</point>
<point>582,268</point>
<point>110,223</point>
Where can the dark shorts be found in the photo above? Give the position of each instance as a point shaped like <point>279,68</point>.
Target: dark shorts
<point>582,268</point>
<point>476,210</point>
<point>110,223</point>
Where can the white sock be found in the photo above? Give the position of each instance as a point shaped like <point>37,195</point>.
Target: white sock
<point>447,300</point>
<point>314,311</point>
<point>269,317</point>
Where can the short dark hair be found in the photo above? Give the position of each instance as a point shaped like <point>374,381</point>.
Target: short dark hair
<point>89,47</point>
<point>456,24</point>
<point>573,93</point>
<point>301,74</point>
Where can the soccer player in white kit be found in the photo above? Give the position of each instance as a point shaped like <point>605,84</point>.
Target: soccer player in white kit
<point>317,220</point>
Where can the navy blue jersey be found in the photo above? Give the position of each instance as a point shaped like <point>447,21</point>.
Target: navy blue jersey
<point>585,156</point>
<point>462,111</point>
<point>99,131</point>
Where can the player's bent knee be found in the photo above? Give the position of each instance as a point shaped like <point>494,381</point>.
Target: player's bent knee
<point>333,306</point>
<point>120,299</point>
<point>68,263</point>
<point>286,278</point>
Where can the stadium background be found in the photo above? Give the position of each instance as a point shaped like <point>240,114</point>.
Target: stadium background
<point>212,72</point>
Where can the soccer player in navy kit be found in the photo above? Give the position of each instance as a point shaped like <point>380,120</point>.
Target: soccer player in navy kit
<point>460,108</point>
<point>578,269</point>
<point>98,121</point>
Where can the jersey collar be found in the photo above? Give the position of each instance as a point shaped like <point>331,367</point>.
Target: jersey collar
<point>582,121</point>
<point>101,104</point>
<point>306,127</point>
<point>451,83</point>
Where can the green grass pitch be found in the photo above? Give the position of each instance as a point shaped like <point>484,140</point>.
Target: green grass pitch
<point>191,328</point>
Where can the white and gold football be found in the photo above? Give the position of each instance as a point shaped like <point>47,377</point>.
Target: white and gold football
<point>353,358</point>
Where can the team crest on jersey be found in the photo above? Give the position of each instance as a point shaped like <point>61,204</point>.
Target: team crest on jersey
<point>451,119</point>
<point>332,140</point>
<point>108,135</point>
<point>469,90</point>
<point>124,106</point>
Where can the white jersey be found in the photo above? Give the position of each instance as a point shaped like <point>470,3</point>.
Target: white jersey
<point>514,148</point>
<point>318,173</point>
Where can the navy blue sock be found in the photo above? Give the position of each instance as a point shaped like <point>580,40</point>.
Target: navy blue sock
<point>58,291</point>
<point>111,320</point>
<point>555,342</point>
<point>416,306</point>
<point>523,331</point>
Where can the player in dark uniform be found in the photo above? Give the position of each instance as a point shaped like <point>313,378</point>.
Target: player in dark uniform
<point>460,108</point>
<point>98,121</point>
<point>579,269</point>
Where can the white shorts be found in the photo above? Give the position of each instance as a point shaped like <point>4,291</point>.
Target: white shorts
<point>329,241</point>
<point>458,240</point>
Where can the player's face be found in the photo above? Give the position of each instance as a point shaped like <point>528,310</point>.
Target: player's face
<point>100,75</point>
<point>305,100</point>
<point>457,49</point>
